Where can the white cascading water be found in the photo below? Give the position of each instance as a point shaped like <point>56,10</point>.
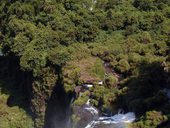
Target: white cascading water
<point>167,91</point>
<point>92,110</point>
<point>1,53</point>
<point>119,118</point>
<point>93,4</point>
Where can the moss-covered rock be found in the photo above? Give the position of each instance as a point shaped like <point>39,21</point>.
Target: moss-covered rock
<point>82,99</point>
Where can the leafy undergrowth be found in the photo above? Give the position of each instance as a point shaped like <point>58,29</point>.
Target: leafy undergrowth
<point>150,120</point>
<point>13,117</point>
<point>67,35</point>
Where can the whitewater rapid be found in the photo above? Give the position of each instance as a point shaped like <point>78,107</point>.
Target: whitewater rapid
<point>118,120</point>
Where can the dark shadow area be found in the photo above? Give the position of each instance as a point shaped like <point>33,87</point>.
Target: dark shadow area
<point>145,92</point>
<point>58,109</point>
<point>16,83</point>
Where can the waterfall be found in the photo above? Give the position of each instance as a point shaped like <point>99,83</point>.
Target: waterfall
<point>93,5</point>
<point>118,120</point>
<point>93,110</point>
<point>167,91</point>
<point>58,111</point>
<point>1,53</point>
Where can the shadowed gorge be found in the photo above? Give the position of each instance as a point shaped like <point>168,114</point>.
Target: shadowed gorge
<point>16,91</point>
<point>58,111</point>
<point>18,83</point>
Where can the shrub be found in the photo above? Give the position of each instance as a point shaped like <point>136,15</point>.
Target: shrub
<point>151,120</point>
<point>111,81</point>
<point>123,66</point>
<point>13,117</point>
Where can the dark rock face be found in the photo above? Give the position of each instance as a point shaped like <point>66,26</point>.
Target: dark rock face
<point>88,117</point>
<point>58,110</point>
<point>55,113</point>
<point>84,116</point>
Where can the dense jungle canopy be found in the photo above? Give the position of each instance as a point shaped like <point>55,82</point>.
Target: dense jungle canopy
<point>46,42</point>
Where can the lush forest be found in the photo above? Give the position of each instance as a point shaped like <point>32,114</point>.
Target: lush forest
<point>50,47</point>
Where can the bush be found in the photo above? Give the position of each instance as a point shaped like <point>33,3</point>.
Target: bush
<point>151,120</point>
<point>13,117</point>
<point>82,99</point>
<point>123,66</point>
<point>111,81</point>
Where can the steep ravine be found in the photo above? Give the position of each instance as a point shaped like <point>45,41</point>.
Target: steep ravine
<point>58,110</point>
<point>18,83</point>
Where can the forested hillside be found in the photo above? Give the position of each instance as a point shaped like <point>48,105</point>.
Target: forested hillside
<point>49,48</point>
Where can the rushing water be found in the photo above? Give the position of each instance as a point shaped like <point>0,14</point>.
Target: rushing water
<point>167,91</point>
<point>119,120</point>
